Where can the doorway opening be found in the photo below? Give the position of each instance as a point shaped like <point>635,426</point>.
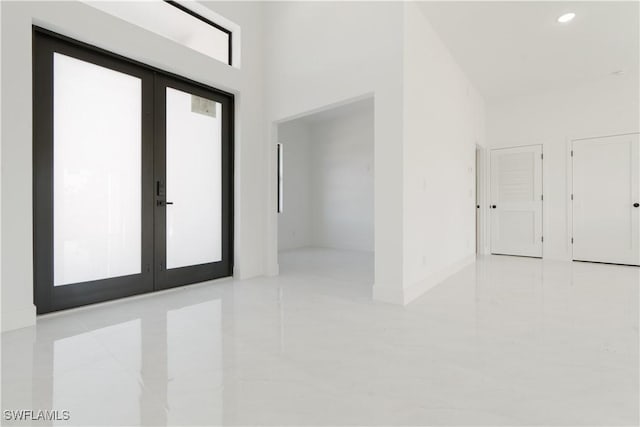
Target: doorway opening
<point>326,193</point>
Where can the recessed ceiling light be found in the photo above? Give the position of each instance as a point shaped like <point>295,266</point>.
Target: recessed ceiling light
<point>567,17</point>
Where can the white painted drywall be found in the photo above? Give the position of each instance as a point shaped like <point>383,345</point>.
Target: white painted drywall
<point>607,106</point>
<point>87,24</point>
<point>443,122</point>
<point>342,187</point>
<point>294,222</point>
<point>1,119</point>
<point>325,53</point>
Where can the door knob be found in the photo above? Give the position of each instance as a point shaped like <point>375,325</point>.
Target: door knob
<point>493,206</point>
<point>636,205</point>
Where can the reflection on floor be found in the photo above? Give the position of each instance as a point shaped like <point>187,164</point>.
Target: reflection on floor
<point>508,341</point>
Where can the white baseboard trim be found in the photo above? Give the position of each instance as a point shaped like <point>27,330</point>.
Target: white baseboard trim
<point>418,289</point>
<point>18,318</point>
<point>403,296</point>
<point>273,269</point>
<point>388,294</point>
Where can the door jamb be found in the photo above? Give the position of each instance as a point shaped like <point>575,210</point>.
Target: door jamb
<point>481,199</point>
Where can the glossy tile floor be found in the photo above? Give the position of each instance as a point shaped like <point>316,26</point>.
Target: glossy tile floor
<point>508,341</point>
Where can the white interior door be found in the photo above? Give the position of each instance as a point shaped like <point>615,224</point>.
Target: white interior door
<point>606,194</point>
<point>516,201</point>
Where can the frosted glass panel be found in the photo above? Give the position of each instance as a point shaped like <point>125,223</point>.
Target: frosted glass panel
<point>194,180</point>
<point>96,172</point>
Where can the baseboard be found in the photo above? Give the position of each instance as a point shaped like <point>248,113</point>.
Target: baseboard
<point>18,318</point>
<point>273,269</point>
<point>418,289</point>
<point>388,294</point>
<point>403,296</point>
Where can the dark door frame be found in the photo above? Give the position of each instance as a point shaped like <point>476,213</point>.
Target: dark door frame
<point>49,298</point>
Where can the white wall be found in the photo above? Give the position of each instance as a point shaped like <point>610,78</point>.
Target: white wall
<point>608,106</point>
<point>322,54</point>
<point>294,222</point>
<point>443,122</point>
<point>87,24</point>
<point>342,182</point>
<point>1,120</point>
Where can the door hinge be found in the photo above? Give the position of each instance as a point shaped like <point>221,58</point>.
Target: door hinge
<point>542,239</point>
<point>542,197</point>
<point>571,153</point>
<point>572,196</point>
<point>541,156</point>
<point>572,240</point>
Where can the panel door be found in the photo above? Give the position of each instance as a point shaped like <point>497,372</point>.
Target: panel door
<point>606,197</point>
<point>516,201</point>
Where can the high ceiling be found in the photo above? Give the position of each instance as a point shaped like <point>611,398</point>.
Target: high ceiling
<point>517,48</point>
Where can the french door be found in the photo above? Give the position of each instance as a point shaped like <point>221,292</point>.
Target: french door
<point>193,183</point>
<point>606,199</point>
<point>516,201</point>
<point>132,177</point>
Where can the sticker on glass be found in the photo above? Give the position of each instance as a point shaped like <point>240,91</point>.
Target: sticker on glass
<point>203,106</point>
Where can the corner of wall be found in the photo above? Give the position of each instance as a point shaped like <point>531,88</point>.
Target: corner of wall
<point>388,294</point>
<point>434,245</point>
<point>18,318</point>
<point>417,289</point>
<point>406,295</point>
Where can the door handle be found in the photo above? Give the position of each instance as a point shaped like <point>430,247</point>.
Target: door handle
<point>636,205</point>
<point>163,203</point>
<point>493,206</point>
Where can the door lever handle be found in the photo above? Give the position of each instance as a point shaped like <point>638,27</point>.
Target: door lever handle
<point>163,203</point>
<point>636,205</point>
